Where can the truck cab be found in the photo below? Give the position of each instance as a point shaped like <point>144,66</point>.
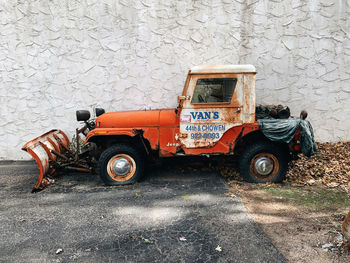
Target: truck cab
<point>214,101</point>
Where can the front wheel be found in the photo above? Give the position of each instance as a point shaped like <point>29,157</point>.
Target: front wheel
<point>263,162</point>
<point>120,164</point>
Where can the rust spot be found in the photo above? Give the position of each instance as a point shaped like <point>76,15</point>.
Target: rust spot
<point>50,152</point>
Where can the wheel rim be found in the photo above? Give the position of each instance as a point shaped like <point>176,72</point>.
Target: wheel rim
<point>264,166</point>
<point>121,167</point>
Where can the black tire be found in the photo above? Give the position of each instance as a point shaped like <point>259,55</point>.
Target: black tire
<point>270,156</point>
<point>123,153</point>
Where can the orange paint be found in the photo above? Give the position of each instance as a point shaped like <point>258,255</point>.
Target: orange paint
<point>110,131</point>
<point>228,141</point>
<point>129,119</point>
<point>161,128</point>
<point>40,149</point>
<point>152,135</point>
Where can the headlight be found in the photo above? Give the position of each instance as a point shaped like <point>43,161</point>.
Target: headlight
<point>99,111</point>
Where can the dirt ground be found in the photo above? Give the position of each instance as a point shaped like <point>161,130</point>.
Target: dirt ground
<point>303,215</point>
<point>302,230</point>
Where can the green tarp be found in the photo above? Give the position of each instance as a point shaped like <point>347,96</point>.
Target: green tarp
<point>283,130</point>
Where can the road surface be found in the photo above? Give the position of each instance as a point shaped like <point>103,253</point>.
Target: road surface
<point>172,215</point>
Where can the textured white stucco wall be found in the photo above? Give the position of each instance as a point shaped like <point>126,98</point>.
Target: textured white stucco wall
<point>60,56</point>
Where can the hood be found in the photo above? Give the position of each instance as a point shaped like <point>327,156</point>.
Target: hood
<point>131,119</point>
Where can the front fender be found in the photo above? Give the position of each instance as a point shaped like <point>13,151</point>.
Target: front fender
<point>109,131</point>
<point>149,134</point>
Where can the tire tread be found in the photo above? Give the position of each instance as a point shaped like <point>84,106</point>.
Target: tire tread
<point>263,146</point>
<point>113,150</point>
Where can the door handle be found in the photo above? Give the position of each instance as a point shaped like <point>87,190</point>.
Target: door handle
<point>238,110</point>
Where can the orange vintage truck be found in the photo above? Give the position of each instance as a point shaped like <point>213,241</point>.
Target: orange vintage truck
<point>216,115</point>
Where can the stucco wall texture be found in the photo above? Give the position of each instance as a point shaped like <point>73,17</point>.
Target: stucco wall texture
<point>60,56</point>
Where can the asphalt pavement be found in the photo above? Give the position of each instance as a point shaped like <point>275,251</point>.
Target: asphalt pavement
<point>172,215</point>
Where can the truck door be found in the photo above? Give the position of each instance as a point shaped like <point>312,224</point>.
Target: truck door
<point>213,104</point>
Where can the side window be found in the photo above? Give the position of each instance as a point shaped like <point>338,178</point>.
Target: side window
<point>213,90</point>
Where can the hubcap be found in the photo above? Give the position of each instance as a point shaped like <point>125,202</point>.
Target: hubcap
<point>263,165</point>
<point>121,166</point>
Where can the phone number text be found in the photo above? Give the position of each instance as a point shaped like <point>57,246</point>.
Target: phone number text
<point>200,135</point>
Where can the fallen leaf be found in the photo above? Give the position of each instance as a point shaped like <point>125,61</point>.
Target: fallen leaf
<point>312,181</point>
<point>146,240</point>
<point>230,195</point>
<point>218,248</point>
<point>186,197</point>
<point>330,166</point>
<point>182,239</point>
<point>58,251</point>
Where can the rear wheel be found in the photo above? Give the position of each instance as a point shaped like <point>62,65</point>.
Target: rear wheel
<point>263,162</point>
<point>120,164</point>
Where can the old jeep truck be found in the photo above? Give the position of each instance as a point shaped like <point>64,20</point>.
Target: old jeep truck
<point>215,116</point>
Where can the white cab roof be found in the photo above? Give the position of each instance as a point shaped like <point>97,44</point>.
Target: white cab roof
<point>223,69</point>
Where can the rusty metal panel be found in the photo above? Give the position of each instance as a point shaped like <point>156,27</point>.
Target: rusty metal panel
<point>249,90</point>
<point>168,145</point>
<point>204,124</point>
<point>41,149</point>
<point>205,127</point>
<point>152,135</point>
<point>227,143</point>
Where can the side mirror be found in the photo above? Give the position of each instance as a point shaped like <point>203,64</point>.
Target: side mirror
<point>82,115</point>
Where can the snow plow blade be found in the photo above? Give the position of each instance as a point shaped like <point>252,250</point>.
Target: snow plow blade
<point>51,152</point>
<point>45,150</point>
